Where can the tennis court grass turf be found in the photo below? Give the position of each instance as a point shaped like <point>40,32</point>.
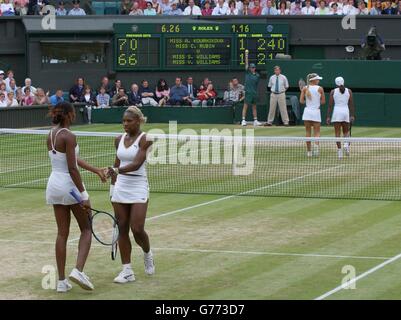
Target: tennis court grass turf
<point>218,247</point>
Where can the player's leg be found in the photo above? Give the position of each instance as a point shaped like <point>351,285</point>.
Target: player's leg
<point>138,218</point>
<point>346,133</point>
<point>77,275</point>
<point>63,219</point>
<point>244,111</point>
<point>255,114</point>
<point>316,134</point>
<point>337,133</point>
<point>308,134</point>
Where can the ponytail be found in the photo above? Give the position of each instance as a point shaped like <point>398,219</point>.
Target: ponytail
<point>307,92</point>
<point>59,113</point>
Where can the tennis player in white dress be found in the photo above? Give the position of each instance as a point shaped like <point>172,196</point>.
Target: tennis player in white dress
<point>130,192</point>
<point>63,152</point>
<point>313,96</point>
<point>343,113</point>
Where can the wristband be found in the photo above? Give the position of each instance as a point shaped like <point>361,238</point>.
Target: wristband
<point>115,169</point>
<point>84,196</point>
<point>111,190</point>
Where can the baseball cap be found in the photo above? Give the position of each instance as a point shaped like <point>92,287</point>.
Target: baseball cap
<point>2,72</point>
<point>339,81</point>
<point>252,65</point>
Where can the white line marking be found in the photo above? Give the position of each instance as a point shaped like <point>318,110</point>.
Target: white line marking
<point>361,276</point>
<point>284,254</point>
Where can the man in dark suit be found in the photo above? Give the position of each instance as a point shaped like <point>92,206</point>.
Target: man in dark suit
<point>192,89</point>
<point>134,97</point>
<point>77,91</point>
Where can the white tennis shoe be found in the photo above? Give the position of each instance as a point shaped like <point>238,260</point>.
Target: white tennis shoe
<point>346,149</point>
<point>127,275</point>
<point>149,263</point>
<point>243,123</point>
<point>256,123</point>
<point>81,279</point>
<point>63,286</point>
<point>340,153</point>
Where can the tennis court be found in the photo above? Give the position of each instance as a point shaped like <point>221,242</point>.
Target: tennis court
<point>223,246</point>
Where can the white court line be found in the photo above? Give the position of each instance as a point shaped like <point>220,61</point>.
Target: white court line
<point>361,276</point>
<point>233,196</point>
<point>284,254</point>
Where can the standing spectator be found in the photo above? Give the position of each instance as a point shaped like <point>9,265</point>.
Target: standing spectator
<point>376,8</point>
<point>179,94</point>
<point>41,98</point>
<point>257,9</point>
<point>11,101</point>
<point>282,9</point>
<point>278,85</point>
<point>192,89</point>
<point>3,100</point>
<point>12,87</point>
<point>322,9</point>
<point>362,8</point>
<point>269,10</point>
<point>251,92</point>
<point>105,83</point>
<point>57,97</point>
<point>308,9</point>
<point>156,6</point>
<point>7,8</point>
<point>61,11</point>
<point>76,10</point>
<point>165,7</point>
<point>134,97</point>
<point>116,87</point>
<point>90,101</point>
<point>147,94</point>
<point>232,8</point>
<point>136,11</point>
<point>77,90</point>
<point>149,11</point>
<point>205,96</point>
<point>120,99</point>
<point>10,76</point>
<point>125,7</point>
<point>192,9</point>
<point>220,9</point>
<point>296,9</point>
<point>175,10</point>
<point>103,99</point>
<point>28,84</point>
<point>207,10</point>
<point>162,92</point>
<point>235,92</point>
<point>27,98</point>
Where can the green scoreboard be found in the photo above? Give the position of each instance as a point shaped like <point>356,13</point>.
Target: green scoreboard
<point>202,46</point>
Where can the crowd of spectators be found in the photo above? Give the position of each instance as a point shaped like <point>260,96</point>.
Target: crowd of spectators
<point>215,7</point>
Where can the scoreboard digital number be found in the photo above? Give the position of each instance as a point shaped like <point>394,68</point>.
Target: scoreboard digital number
<point>220,46</point>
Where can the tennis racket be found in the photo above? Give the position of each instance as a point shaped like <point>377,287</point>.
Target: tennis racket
<point>301,84</point>
<point>104,226</point>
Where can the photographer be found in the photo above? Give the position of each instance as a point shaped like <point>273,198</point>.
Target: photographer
<point>372,45</point>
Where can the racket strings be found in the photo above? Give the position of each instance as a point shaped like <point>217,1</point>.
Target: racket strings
<point>104,228</point>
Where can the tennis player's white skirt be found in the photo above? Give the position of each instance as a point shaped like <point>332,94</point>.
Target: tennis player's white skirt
<point>311,114</point>
<point>58,189</point>
<point>130,189</point>
<point>340,115</point>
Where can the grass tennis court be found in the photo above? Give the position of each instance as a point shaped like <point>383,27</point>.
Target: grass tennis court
<point>218,246</point>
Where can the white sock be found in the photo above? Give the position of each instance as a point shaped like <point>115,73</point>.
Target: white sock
<point>147,254</point>
<point>127,267</point>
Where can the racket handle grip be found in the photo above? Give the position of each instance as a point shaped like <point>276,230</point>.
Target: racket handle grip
<point>76,196</point>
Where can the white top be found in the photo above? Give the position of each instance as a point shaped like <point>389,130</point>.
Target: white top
<point>59,159</point>
<point>341,99</point>
<point>196,11</point>
<point>4,7</point>
<point>220,11</point>
<point>350,10</point>
<point>127,155</point>
<point>314,101</point>
<point>306,10</point>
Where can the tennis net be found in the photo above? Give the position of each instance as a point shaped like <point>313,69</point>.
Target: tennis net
<point>269,166</point>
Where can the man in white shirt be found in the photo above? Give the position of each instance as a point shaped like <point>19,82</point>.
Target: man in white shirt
<point>220,9</point>
<point>308,9</point>
<point>278,84</point>
<point>349,8</point>
<point>192,9</point>
<point>3,100</point>
<point>7,8</point>
<point>28,83</point>
<point>269,10</point>
<point>76,10</point>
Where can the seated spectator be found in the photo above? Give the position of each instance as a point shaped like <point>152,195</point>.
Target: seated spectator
<point>192,89</point>
<point>387,8</point>
<point>76,10</point>
<point>116,87</point>
<point>19,96</point>
<point>103,99</point>
<point>398,9</point>
<point>245,8</point>
<point>136,11</point>
<point>296,9</point>
<point>335,9</point>
<point>125,7</point>
<point>362,8</point>
<point>61,11</point>
<point>204,84</point>
<point>206,97</point>
<point>41,98</point>
<point>21,7</point>
<point>89,99</point>
<point>220,9</point>
<point>165,7</point>
<point>269,10</point>
<point>149,11</point>
<point>235,93</point>
<point>12,87</point>
<point>134,97</point>
<point>35,6</point>
<point>77,91</point>
<point>3,87</point>
<point>349,8</point>
<point>207,9</point>
<point>182,4</point>
<point>162,92</point>
<point>105,83</point>
<point>156,6</point>
<point>322,9</point>
<point>3,100</point>
<point>2,75</point>
<point>28,83</point>
<point>308,9</point>
<point>192,9</point>
<point>7,8</point>
<point>147,95</point>
<point>175,10</point>
<point>232,8</point>
<point>376,8</point>
<point>142,4</point>
<point>282,9</point>
<point>57,97</point>
<point>120,99</point>
<point>257,8</point>
<point>179,94</point>
<point>11,101</point>
<point>28,98</point>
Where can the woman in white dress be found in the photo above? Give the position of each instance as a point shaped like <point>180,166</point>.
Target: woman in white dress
<point>130,192</point>
<point>313,96</point>
<point>63,152</point>
<point>343,113</point>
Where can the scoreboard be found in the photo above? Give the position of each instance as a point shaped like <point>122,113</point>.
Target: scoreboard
<point>201,46</point>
